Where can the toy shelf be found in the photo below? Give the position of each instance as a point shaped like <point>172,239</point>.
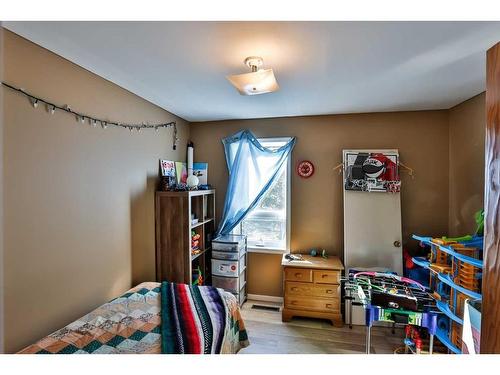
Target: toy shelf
<point>447,280</point>
<point>422,262</point>
<point>473,241</point>
<point>455,272</point>
<point>464,258</point>
<point>443,337</point>
<point>445,309</point>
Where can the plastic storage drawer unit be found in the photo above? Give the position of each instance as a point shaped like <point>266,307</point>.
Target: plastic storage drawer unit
<point>229,262</point>
<point>242,296</point>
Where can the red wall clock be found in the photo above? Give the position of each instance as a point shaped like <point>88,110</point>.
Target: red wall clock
<point>305,169</point>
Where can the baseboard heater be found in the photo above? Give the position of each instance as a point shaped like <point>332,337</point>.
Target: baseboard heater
<point>265,307</point>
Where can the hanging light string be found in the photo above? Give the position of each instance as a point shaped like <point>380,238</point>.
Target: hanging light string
<point>81,117</point>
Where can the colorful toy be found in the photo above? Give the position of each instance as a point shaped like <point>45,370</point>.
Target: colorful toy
<point>479,217</point>
<point>197,277</point>
<point>315,252</point>
<point>417,341</point>
<point>195,243</point>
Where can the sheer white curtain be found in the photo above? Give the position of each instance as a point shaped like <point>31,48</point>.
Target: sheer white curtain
<point>252,170</point>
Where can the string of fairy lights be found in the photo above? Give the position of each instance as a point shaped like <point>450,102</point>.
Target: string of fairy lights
<point>93,121</point>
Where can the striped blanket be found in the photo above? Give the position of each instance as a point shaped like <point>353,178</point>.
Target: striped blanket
<point>199,319</point>
<point>188,320</point>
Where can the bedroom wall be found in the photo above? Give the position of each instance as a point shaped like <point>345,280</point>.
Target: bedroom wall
<point>467,136</point>
<point>317,211</point>
<point>79,207</point>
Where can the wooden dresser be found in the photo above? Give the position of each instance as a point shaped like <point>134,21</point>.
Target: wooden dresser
<point>312,288</point>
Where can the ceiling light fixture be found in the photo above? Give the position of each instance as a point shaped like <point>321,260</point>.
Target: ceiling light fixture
<point>259,81</point>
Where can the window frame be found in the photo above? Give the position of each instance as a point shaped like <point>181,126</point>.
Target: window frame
<point>288,210</point>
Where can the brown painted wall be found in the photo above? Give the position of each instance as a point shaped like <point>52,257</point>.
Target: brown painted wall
<point>79,207</point>
<point>317,211</point>
<point>467,135</point>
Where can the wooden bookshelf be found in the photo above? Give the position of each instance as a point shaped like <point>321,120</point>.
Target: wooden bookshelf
<point>174,259</point>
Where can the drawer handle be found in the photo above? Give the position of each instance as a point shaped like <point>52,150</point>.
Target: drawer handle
<point>329,291</point>
<point>294,302</point>
<point>323,276</point>
<point>329,305</point>
<point>298,275</point>
<point>295,288</point>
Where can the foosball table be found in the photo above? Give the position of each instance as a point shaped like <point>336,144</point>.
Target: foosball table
<point>394,299</point>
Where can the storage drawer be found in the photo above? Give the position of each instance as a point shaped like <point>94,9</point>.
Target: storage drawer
<point>312,290</point>
<point>231,284</point>
<point>326,277</point>
<point>233,243</point>
<point>227,255</point>
<point>227,247</point>
<point>298,274</point>
<point>231,268</point>
<point>316,304</point>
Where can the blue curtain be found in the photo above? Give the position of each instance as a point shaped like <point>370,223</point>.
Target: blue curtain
<point>252,170</point>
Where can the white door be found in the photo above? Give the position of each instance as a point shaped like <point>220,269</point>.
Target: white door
<point>372,227</point>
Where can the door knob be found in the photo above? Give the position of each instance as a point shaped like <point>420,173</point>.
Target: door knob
<point>397,244</point>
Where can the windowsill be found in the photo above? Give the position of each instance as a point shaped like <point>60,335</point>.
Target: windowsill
<point>267,250</point>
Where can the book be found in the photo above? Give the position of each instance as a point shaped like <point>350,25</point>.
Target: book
<point>181,172</point>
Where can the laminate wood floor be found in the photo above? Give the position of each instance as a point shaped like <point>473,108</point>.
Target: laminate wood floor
<point>269,335</point>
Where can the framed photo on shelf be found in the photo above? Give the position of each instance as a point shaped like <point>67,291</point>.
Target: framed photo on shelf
<point>167,168</point>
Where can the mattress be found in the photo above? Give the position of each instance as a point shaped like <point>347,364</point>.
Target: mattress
<point>197,320</point>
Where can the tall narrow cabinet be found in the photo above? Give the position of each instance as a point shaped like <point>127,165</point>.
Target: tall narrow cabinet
<point>174,226</point>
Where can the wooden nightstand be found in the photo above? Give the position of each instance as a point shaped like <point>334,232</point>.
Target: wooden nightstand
<point>312,288</point>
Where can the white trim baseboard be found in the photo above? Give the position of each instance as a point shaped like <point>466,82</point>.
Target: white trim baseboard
<point>264,298</point>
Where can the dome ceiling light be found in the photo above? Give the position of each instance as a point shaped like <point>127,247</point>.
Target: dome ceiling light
<point>258,81</point>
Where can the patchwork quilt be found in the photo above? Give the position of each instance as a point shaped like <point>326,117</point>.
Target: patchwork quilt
<point>154,318</point>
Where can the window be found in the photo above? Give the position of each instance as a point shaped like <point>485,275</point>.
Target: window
<point>268,225</point>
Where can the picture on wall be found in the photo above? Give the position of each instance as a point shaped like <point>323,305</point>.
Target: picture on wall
<point>372,172</point>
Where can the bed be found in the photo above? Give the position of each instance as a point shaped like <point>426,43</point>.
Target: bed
<point>154,318</point>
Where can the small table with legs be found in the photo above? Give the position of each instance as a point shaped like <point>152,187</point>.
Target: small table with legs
<point>394,299</point>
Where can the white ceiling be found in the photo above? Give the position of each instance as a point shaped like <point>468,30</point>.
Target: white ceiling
<point>321,67</point>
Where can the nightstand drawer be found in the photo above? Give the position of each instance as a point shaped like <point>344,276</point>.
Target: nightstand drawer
<point>326,277</point>
<point>312,290</point>
<point>316,304</point>
<point>298,274</point>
